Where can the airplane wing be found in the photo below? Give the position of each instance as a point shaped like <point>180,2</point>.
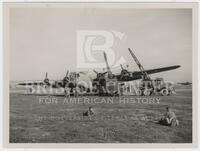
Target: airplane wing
<point>152,71</point>
<point>138,74</point>
<point>32,83</point>
<point>46,81</point>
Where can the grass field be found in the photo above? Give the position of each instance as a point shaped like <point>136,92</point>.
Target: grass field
<point>33,121</point>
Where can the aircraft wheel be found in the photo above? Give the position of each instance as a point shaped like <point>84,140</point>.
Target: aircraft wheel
<point>147,92</point>
<point>138,92</point>
<point>164,92</point>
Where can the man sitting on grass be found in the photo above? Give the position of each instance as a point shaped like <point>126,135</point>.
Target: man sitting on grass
<point>169,118</point>
<point>90,112</point>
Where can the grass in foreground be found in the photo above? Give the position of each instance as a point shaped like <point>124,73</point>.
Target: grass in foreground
<point>128,125</point>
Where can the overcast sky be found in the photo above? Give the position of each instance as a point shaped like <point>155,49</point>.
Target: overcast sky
<point>45,39</point>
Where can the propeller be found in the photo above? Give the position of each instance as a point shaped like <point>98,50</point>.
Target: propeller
<point>66,78</point>
<point>67,73</point>
<point>99,74</point>
<point>145,75</point>
<point>46,80</point>
<point>106,60</point>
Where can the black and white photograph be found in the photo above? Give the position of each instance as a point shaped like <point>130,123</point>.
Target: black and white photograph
<point>100,73</point>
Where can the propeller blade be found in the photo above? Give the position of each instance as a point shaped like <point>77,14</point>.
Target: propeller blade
<point>106,60</point>
<point>67,73</point>
<point>95,71</point>
<point>121,66</point>
<point>46,75</point>
<point>104,73</point>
